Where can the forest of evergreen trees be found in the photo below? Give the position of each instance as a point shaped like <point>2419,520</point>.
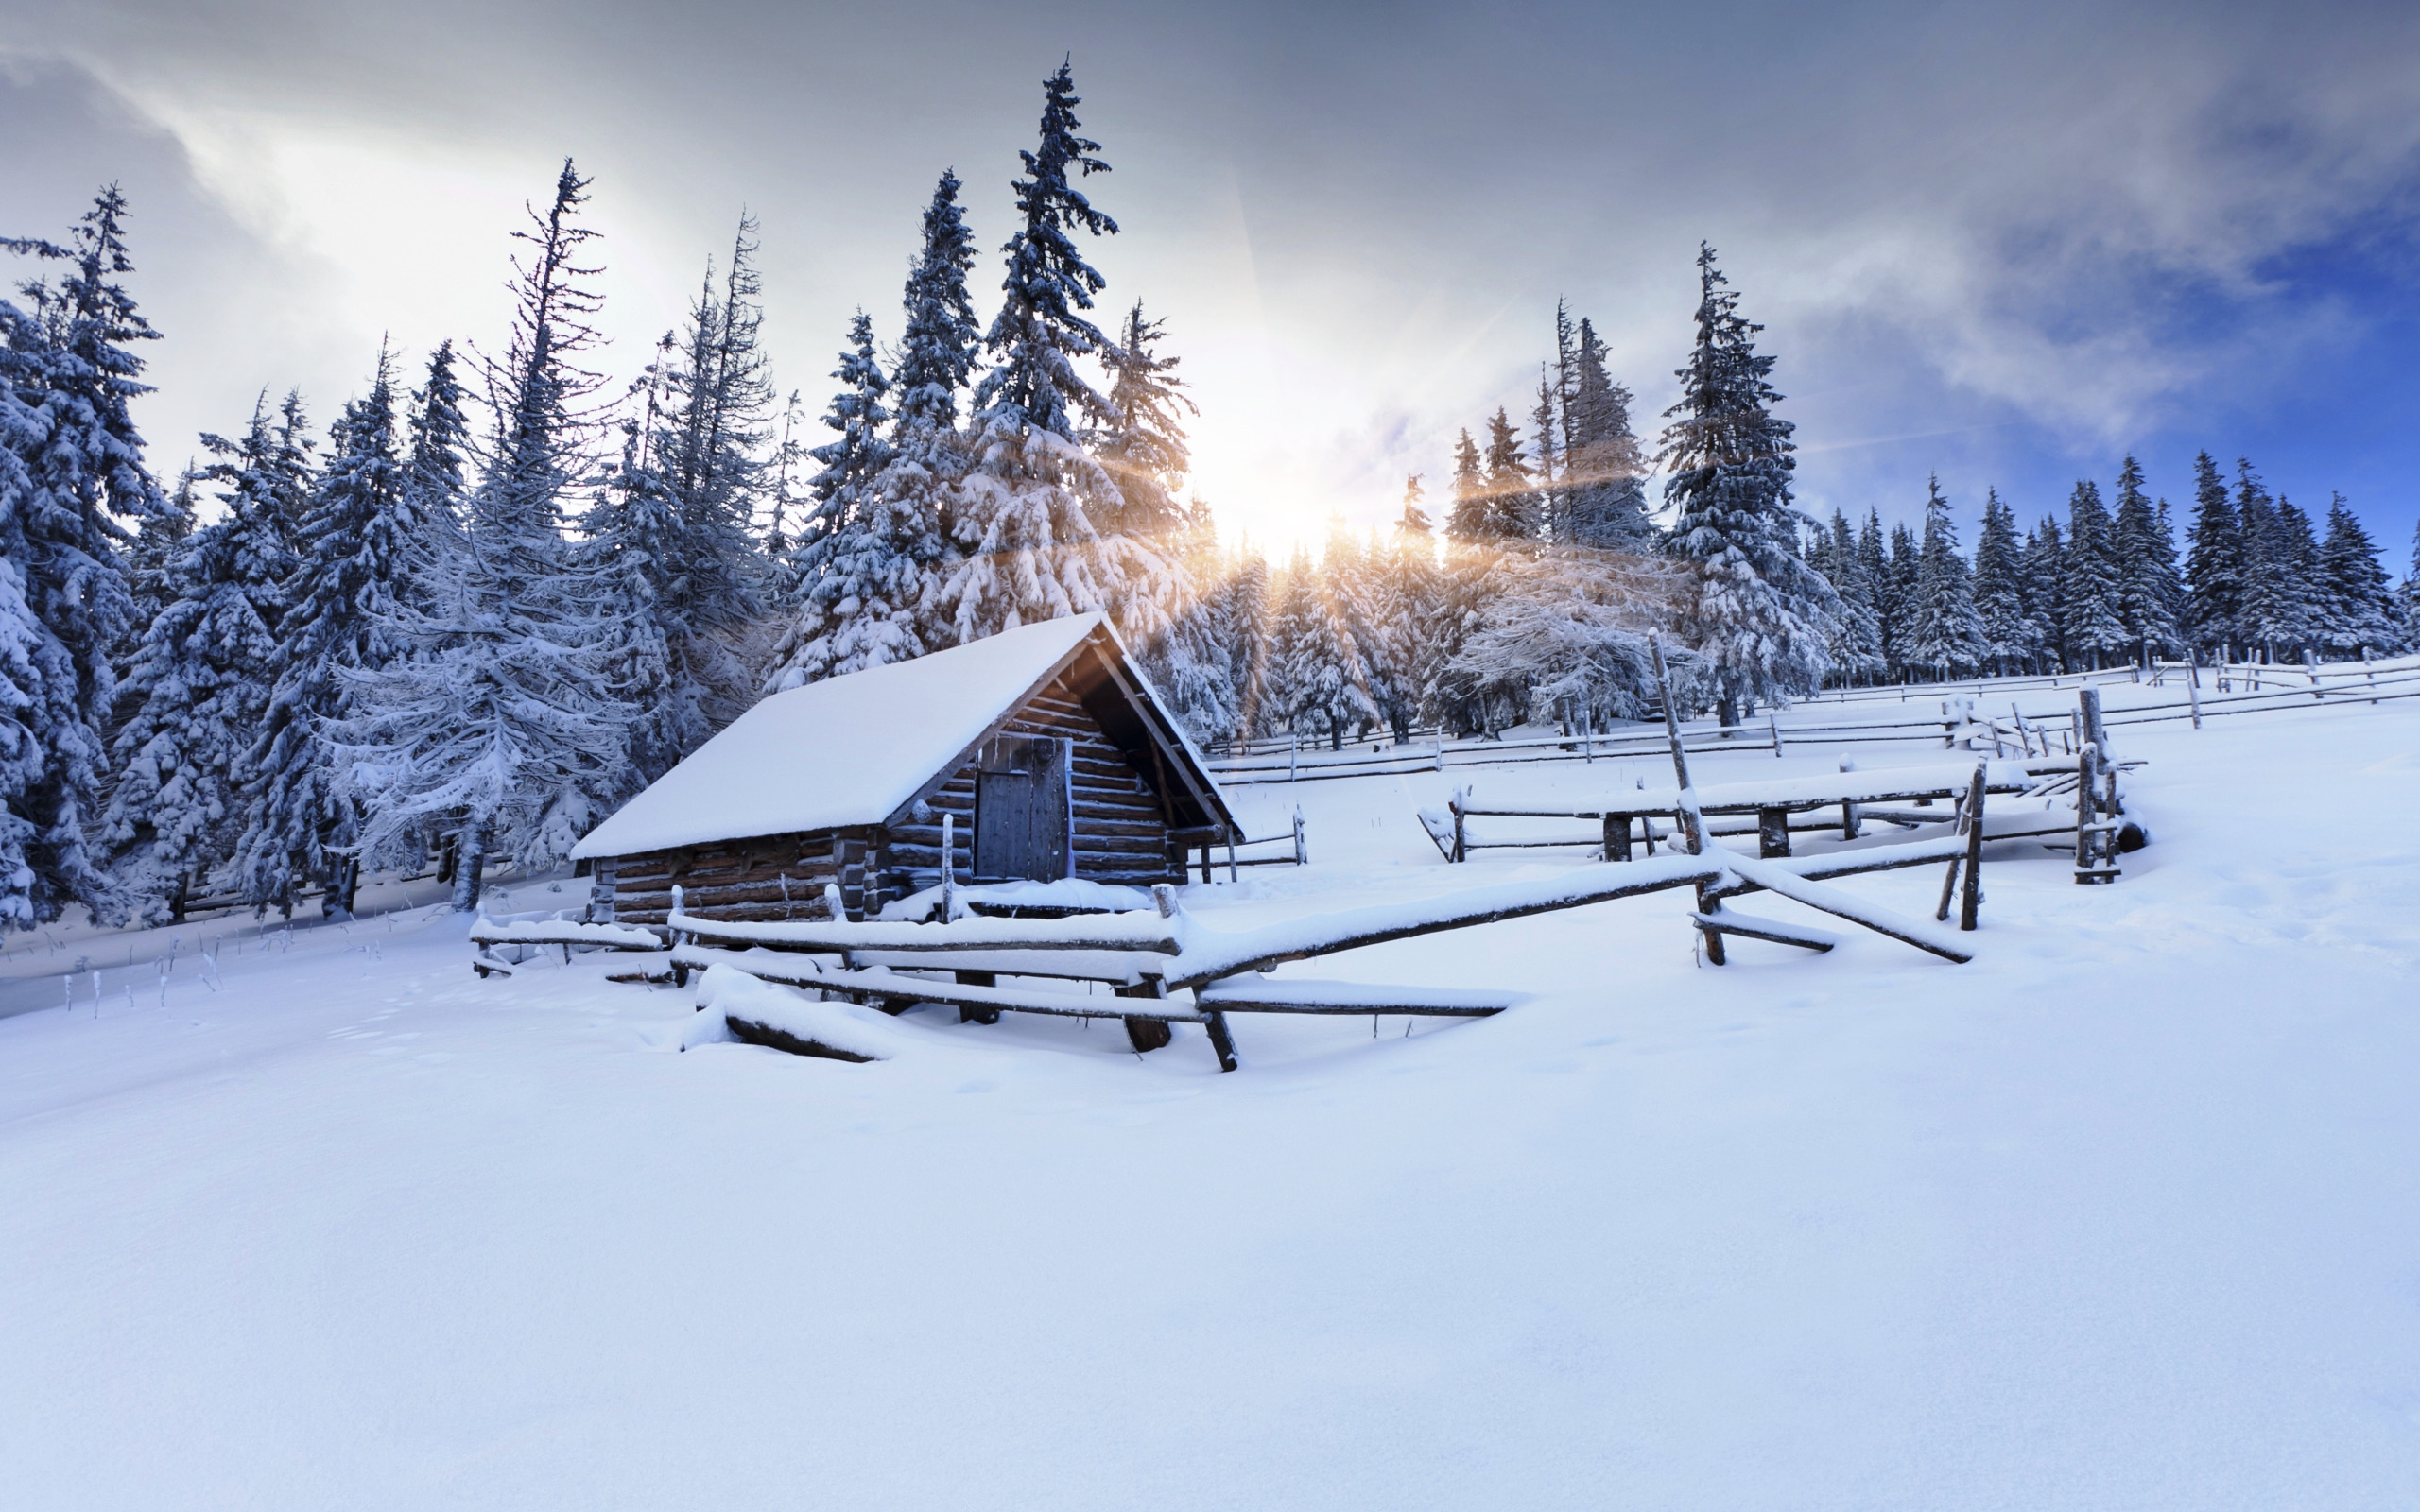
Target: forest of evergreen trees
<point>496,596</point>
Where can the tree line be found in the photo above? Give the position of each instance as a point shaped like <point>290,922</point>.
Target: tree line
<point>498,597</point>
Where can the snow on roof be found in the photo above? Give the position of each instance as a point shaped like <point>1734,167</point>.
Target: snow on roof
<point>846,750</point>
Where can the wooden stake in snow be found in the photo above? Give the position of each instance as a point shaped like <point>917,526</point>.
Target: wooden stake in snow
<point>949,868</point>
<point>2193,689</point>
<point>1970,903</point>
<point>1692,820</point>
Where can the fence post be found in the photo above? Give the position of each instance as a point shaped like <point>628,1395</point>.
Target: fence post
<point>1971,902</point>
<point>2193,687</point>
<point>1294,753</point>
<point>1441,747</point>
<point>1774,724</point>
<point>2373,675</point>
<point>1455,803</point>
<point>1692,820</point>
<point>1301,852</point>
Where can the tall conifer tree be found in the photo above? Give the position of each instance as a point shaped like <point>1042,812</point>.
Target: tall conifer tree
<point>1020,517</point>
<point>1759,617</point>
<point>71,476</point>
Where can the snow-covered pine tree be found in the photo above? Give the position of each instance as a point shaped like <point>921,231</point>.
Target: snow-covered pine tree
<point>1412,602</point>
<point>1020,516</point>
<point>2010,639</point>
<point>937,357</point>
<point>2046,573</point>
<point>1604,470</point>
<point>1759,618</point>
<point>1318,673</point>
<point>71,478</point>
<point>2215,564</point>
<point>782,499</point>
<point>1250,613</point>
<point>2091,588</point>
<point>1141,441</point>
<point>1948,634</point>
<point>1192,664</point>
<point>2269,613</point>
<point>1468,519</point>
<point>2359,596</point>
<point>1856,645</point>
<point>201,681</point>
<point>353,555</point>
<point>2149,591</point>
<point>1545,430</point>
<point>150,561</point>
<point>1902,600</point>
<point>1514,515</point>
<point>1564,638</point>
<point>705,445</point>
<point>2298,552</point>
<point>865,561</point>
<point>504,723</point>
<point>1874,560</point>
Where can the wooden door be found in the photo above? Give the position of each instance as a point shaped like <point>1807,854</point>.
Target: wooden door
<point>1021,808</point>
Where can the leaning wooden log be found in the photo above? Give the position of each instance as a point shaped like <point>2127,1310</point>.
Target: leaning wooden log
<point>1971,899</point>
<point>748,1031</point>
<point>1748,927</point>
<point>1209,954</point>
<point>1919,933</point>
<point>882,984</point>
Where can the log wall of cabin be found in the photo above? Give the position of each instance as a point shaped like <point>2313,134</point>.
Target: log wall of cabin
<point>1120,829</point>
<point>781,876</point>
<point>1120,836</point>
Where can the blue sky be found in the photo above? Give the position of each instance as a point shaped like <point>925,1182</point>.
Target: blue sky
<point>2009,245</point>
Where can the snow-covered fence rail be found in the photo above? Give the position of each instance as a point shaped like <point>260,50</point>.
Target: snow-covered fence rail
<point>544,930</point>
<point>1776,806</point>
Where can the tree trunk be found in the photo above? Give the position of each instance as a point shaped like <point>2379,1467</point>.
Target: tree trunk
<point>470,860</point>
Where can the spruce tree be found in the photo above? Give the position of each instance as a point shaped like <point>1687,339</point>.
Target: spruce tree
<point>1142,441</point>
<point>2000,589</point>
<point>1469,519</point>
<point>1022,516</point>
<point>2358,598</point>
<point>1604,470</point>
<point>865,559</point>
<point>2091,588</point>
<point>2272,617</point>
<point>2046,570</point>
<point>1948,635</point>
<point>1856,645</point>
<point>1874,563</point>
<point>1193,665</point>
<point>1514,514</point>
<point>1316,670</point>
<point>1545,433</point>
<point>72,477</point>
<point>1903,601</point>
<point>2213,567</point>
<point>354,550</point>
<point>2149,592</point>
<point>504,723</point>
<point>1412,603</point>
<point>1758,616</point>
<point>2296,559</point>
<point>200,685</point>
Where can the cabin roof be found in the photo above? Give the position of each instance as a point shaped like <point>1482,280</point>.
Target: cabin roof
<point>858,749</point>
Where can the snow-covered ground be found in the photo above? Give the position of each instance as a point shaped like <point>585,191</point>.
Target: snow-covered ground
<point>2121,1215</point>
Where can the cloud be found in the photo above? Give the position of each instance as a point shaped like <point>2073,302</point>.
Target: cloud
<point>2053,229</point>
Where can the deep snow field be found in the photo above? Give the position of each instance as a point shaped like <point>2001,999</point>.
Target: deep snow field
<point>2125,1214</point>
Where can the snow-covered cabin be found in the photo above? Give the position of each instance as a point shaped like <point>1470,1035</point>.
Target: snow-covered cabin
<point>1048,746</point>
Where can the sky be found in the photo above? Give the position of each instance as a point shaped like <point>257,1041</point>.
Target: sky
<point>2006,245</point>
